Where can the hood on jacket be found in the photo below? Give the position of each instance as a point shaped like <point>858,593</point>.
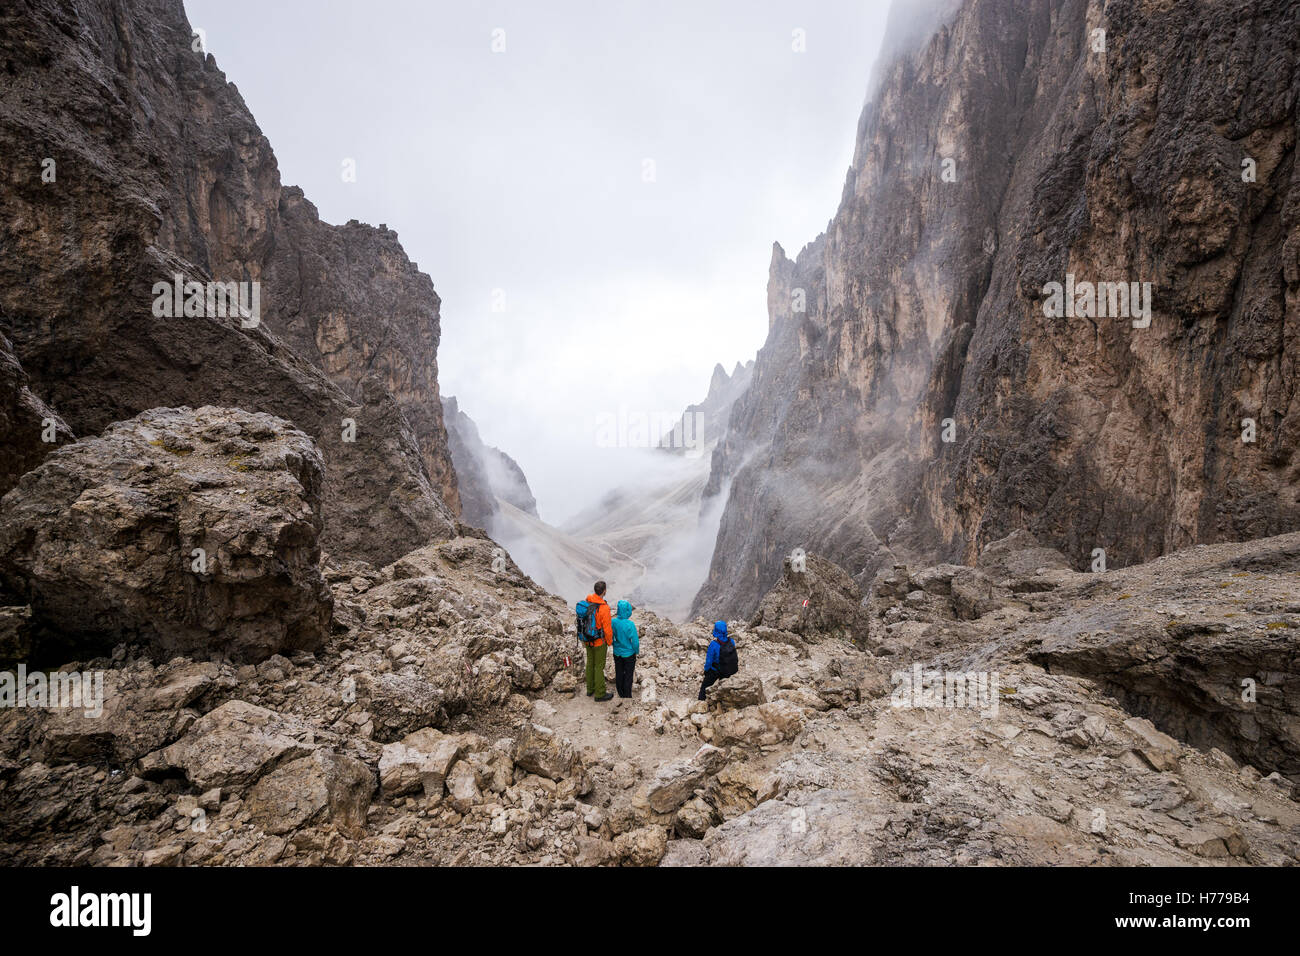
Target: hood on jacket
<point>720,631</point>
<point>624,610</point>
<point>595,599</point>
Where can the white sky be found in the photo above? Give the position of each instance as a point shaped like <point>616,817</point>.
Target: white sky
<point>522,171</point>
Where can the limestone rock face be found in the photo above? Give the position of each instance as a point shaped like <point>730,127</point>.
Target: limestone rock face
<point>840,834</point>
<point>354,305</point>
<point>1000,155</point>
<point>143,192</point>
<point>191,531</point>
<point>1201,676</point>
<point>25,422</point>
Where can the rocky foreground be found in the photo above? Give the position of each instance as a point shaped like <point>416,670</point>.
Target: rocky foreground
<point>436,716</point>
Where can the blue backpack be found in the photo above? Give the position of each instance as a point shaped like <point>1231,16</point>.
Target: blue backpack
<point>587,629</point>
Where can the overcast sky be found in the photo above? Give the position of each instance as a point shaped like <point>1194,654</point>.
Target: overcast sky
<point>595,203</point>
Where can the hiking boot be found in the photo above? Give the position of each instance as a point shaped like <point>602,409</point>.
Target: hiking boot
<point>608,696</point>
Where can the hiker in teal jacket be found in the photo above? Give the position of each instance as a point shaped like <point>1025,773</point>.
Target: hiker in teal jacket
<point>627,644</point>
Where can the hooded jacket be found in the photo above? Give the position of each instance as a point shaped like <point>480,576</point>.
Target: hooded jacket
<point>627,641</point>
<point>602,621</point>
<point>720,637</point>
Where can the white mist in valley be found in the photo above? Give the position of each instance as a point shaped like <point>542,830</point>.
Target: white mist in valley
<point>650,537</point>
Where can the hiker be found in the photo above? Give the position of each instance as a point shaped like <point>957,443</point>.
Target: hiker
<point>721,660</point>
<point>627,644</point>
<point>596,633</point>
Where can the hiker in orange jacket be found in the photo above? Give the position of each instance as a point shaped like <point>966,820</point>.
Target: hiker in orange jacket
<point>597,649</point>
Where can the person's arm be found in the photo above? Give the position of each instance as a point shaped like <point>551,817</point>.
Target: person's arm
<point>609,622</point>
<point>636,638</point>
<point>711,658</point>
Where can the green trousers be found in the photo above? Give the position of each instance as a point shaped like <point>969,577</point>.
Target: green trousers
<point>596,670</point>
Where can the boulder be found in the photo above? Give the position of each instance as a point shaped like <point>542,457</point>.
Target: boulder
<point>694,818</point>
<point>644,846</point>
<point>936,580</point>
<point>734,692</point>
<point>232,746</point>
<point>762,725</point>
<point>1019,558</point>
<point>890,583</point>
<point>1157,748</point>
<point>711,758</point>
<point>136,715</point>
<point>542,751</point>
<point>595,852</point>
<point>324,786</point>
<point>401,704</point>
<point>437,764</point>
<point>462,787</point>
<point>819,600</point>
<point>492,684</point>
<point>401,763</point>
<point>673,785</point>
<point>493,769</point>
<point>189,531</point>
<point>420,761</point>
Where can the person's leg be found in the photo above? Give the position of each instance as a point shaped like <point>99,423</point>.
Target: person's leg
<point>598,667</point>
<point>591,670</point>
<point>623,675</point>
<point>710,679</point>
<point>631,674</point>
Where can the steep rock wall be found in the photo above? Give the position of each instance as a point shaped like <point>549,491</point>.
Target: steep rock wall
<point>924,301</point>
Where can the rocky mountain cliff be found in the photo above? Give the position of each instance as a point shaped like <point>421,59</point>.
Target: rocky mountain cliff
<point>131,162</point>
<point>703,423</point>
<point>920,393</point>
<point>484,472</point>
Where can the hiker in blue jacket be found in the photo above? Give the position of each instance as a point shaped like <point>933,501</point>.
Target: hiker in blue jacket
<point>721,660</point>
<point>627,644</point>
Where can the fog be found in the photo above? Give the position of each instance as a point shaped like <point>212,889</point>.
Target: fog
<point>595,200</point>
